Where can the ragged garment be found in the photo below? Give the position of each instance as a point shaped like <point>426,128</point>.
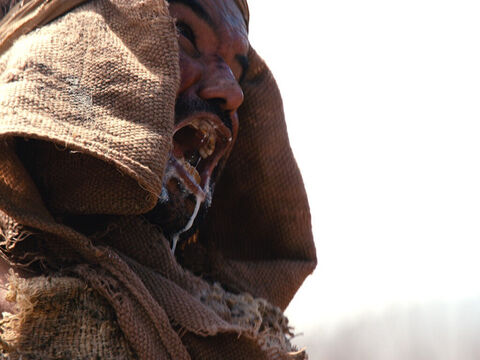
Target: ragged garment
<point>87,97</point>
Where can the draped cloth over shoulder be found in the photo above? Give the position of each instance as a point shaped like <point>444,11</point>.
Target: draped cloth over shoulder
<point>86,120</point>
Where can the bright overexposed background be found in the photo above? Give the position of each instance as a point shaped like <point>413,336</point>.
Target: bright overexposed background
<point>382,100</point>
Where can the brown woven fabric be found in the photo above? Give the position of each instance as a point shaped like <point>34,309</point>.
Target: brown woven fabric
<point>86,119</point>
<point>57,314</point>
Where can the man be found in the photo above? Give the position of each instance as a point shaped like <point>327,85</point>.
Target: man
<point>117,118</point>
<point>213,57</point>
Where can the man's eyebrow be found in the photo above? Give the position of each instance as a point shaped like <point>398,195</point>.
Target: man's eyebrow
<point>198,9</point>
<point>243,61</point>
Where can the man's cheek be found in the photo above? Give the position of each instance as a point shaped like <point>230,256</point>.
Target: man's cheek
<point>190,72</point>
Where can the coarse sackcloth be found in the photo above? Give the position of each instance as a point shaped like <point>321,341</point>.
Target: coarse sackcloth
<point>86,120</point>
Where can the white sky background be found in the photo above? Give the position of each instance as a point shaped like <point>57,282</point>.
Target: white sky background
<point>383,109</point>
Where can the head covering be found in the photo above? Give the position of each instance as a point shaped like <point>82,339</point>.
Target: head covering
<point>243,6</point>
<point>92,94</point>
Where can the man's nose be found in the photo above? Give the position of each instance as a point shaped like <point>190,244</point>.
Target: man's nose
<point>220,83</point>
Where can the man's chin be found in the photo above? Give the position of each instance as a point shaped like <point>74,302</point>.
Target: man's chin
<point>178,212</point>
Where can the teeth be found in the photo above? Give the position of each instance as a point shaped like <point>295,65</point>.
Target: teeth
<point>209,139</point>
<point>203,153</point>
<point>192,171</point>
<point>208,147</point>
<point>211,144</point>
<point>205,128</point>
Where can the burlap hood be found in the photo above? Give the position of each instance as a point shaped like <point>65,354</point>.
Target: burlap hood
<point>94,91</point>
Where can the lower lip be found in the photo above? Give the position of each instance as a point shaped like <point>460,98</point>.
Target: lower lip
<point>187,179</point>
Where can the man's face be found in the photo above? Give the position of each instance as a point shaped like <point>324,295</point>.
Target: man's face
<point>213,57</point>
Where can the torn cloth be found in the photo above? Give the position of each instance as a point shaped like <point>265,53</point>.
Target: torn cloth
<point>93,92</point>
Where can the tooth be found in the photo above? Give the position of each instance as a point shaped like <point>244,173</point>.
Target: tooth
<point>204,137</point>
<point>211,144</point>
<point>203,152</point>
<point>192,171</point>
<point>205,127</point>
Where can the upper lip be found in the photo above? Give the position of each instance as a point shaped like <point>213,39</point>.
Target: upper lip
<point>206,117</point>
<point>208,139</point>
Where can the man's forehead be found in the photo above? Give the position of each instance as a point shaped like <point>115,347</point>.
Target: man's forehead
<point>213,11</point>
<point>223,17</point>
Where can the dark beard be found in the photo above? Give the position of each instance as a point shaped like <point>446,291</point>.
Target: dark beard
<point>172,214</point>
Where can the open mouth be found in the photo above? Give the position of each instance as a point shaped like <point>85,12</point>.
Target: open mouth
<point>199,143</point>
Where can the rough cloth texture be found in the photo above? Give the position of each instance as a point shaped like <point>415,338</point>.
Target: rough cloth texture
<point>93,92</point>
<point>56,315</point>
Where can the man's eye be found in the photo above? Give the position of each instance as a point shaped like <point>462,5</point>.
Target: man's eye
<point>186,31</point>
